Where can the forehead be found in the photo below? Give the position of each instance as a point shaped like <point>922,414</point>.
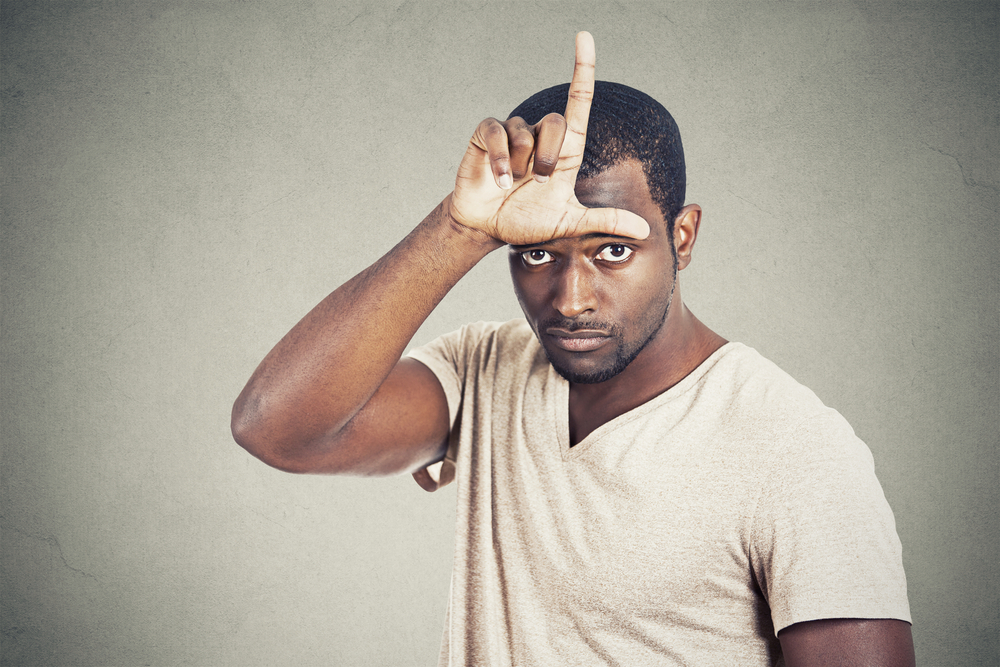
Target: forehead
<point>622,186</point>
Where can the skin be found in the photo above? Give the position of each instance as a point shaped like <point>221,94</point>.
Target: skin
<point>848,642</point>
<point>606,283</point>
<point>334,397</point>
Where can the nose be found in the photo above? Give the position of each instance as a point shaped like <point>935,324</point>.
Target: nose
<point>574,290</point>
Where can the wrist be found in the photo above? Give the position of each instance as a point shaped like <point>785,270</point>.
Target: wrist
<point>475,238</point>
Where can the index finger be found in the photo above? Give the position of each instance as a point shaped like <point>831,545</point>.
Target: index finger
<point>581,94</point>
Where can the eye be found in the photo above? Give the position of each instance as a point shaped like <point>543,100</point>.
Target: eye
<point>616,252</point>
<point>536,257</point>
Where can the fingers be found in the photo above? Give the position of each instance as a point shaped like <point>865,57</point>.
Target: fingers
<point>581,94</point>
<point>541,141</point>
<point>511,145</point>
<point>521,140</point>
<point>491,137</point>
<point>615,221</point>
<point>549,134</point>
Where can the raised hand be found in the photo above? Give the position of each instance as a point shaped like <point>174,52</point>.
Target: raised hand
<point>517,181</point>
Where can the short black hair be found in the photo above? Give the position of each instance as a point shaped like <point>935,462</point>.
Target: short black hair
<point>624,123</point>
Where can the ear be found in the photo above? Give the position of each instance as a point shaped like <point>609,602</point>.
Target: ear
<point>686,233</point>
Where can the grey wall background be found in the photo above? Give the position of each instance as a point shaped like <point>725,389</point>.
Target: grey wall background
<point>183,180</point>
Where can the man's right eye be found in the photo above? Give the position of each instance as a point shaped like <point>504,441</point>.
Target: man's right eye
<point>536,257</point>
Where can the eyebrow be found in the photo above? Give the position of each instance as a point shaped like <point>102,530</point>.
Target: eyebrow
<point>584,237</point>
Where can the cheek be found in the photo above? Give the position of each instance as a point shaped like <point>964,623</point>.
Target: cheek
<point>640,290</point>
<point>523,289</point>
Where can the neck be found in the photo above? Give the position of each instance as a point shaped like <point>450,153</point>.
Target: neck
<point>680,346</point>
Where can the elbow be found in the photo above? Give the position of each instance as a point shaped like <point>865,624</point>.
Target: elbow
<point>241,427</point>
<point>250,429</point>
<point>245,429</point>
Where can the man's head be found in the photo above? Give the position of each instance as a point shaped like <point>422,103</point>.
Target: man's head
<point>624,124</point>
<point>596,302</point>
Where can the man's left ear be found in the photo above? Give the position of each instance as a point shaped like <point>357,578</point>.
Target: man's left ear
<point>686,233</point>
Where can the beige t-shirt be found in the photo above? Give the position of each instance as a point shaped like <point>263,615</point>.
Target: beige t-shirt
<point>685,532</point>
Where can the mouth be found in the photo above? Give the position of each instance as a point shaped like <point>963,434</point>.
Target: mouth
<point>581,340</point>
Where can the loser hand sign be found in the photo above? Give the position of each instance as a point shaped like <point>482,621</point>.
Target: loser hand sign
<point>517,181</point>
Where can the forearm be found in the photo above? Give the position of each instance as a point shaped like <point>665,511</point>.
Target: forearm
<point>296,412</point>
<point>328,366</point>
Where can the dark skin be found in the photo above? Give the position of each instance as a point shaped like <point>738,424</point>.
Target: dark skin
<point>619,281</point>
<point>334,397</point>
<point>848,642</point>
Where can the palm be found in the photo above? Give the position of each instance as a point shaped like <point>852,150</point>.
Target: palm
<point>536,212</point>
<point>529,211</point>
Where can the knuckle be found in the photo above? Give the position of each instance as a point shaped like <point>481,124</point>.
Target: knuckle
<point>515,123</point>
<point>553,120</point>
<point>522,141</point>
<point>545,162</point>
<point>493,130</point>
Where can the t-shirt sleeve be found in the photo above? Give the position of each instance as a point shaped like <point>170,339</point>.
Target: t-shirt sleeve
<point>824,541</point>
<point>448,358</point>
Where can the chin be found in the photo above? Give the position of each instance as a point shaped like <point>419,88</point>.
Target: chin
<point>593,375</point>
<point>596,377</point>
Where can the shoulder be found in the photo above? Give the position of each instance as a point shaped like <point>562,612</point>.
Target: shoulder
<point>486,334</point>
<point>758,384</point>
<point>478,345</point>
<point>514,334</point>
<point>782,416</point>
<point>822,535</point>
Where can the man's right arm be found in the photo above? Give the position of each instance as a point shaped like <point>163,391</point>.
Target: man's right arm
<point>332,396</point>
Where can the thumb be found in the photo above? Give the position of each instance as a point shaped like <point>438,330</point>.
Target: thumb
<point>614,221</point>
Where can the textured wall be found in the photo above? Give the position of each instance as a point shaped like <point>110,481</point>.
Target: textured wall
<point>183,180</point>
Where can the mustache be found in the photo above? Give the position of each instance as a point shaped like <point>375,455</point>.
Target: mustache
<point>572,325</point>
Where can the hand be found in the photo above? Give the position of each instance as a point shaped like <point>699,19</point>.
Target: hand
<point>517,181</point>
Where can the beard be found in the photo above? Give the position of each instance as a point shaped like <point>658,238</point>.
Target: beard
<point>624,352</point>
<point>623,357</point>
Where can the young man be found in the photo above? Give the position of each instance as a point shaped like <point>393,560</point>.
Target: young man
<point>633,489</point>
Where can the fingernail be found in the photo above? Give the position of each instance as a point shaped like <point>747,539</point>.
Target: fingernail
<point>541,179</point>
<point>505,181</point>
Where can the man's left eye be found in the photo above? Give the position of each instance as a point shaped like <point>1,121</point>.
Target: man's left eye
<point>616,252</point>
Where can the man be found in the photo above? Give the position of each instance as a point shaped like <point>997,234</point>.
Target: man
<point>633,489</point>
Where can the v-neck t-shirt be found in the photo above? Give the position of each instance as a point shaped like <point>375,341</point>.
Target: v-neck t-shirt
<point>687,531</point>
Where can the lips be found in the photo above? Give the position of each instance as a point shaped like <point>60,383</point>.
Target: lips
<point>582,340</point>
